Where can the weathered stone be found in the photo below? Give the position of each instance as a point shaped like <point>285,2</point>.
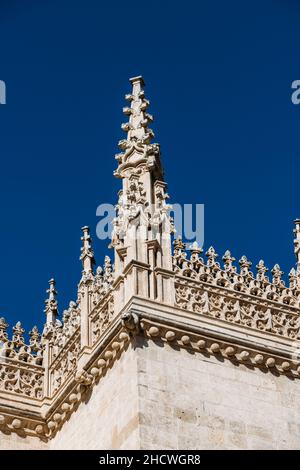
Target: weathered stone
<point>162,349</point>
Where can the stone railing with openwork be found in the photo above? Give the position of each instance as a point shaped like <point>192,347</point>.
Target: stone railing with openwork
<point>64,339</point>
<point>21,365</point>
<point>36,374</point>
<point>237,296</point>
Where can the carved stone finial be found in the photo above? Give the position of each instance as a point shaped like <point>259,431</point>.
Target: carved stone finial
<point>87,253</point>
<point>293,278</point>
<point>277,274</point>
<point>137,127</point>
<point>228,260</point>
<point>35,338</point>
<point>108,270</point>
<point>3,328</point>
<point>18,332</point>
<point>195,250</point>
<point>245,265</point>
<point>179,253</point>
<point>34,333</point>
<point>51,309</point>
<point>211,257</point>
<point>179,246</point>
<point>137,147</point>
<point>261,271</point>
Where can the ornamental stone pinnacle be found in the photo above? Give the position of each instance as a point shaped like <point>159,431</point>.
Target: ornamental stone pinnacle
<point>35,338</point>
<point>51,309</point>
<point>3,329</point>
<point>137,146</point>
<point>137,127</point>
<point>18,332</point>
<point>228,260</point>
<point>293,278</point>
<point>261,271</point>
<point>87,253</point>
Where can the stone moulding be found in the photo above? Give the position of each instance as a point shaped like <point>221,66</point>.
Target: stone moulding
<point>228,350</point>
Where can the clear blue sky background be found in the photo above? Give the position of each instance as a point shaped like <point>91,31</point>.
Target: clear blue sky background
<point>218,76</point>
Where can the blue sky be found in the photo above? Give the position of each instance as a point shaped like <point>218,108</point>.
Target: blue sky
<point>219,79</point>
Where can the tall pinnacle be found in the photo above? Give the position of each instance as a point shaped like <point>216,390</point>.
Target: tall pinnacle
<point>137,127</point>
<point>87,253</point>
<point>51,303</point>
<point>137,149</point>
<point>142,226</point>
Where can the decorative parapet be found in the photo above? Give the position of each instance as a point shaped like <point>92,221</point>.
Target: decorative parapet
<point>101,317</point>
<point>240,297</point>
<point>21,370</point>
<point>238,307</point>
<point>64,363</point>
<point>22,379</point>
<point>16,348</point>
<point>103,281</point>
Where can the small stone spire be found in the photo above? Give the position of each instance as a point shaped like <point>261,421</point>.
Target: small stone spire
<point>18,332</point>
<point>35,338</point>
<point>87,253</point>
<point>261,271</point>
<point>277,275</point>
<point>228,260</point>
<point>297,243</point>
<point>212,256</point>
<point>293,278</point>
<point>137,127</point>
<point>3,329</point>
<point>51,309</point>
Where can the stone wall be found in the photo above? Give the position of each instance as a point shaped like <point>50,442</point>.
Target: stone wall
<point>108,419</point>
<point>14,441</point>
<point>158,396</point>
<point>189,401</point>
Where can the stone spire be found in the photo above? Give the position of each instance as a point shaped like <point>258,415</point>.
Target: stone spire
<point>51,309</point>
<point>87,253</point>
<point>137,127</point>
<point>137,146</point>
<point>297,248</point>
<point>142,226</point>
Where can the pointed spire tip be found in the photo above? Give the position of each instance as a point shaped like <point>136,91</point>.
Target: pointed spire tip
<point>139,79</point>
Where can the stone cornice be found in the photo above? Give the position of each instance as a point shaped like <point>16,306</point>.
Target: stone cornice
<point>214,327</point>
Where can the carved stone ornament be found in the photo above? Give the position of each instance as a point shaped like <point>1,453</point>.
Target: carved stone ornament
<point>183,298</point>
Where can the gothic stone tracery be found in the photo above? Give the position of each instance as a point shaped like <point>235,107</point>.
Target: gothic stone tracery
<point>53,369</point>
